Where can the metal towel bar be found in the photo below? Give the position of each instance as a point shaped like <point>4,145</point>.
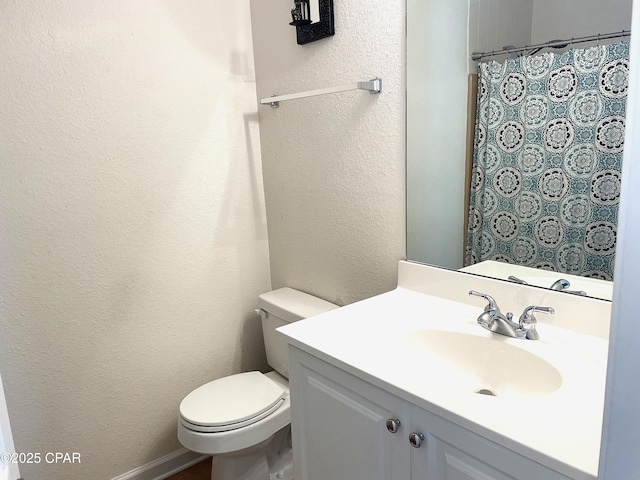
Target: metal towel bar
<point>372,86</point>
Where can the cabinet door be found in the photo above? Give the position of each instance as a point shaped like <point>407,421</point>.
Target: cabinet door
<point>451,452</point>
<point>446,462</point>
<point>339,425</point>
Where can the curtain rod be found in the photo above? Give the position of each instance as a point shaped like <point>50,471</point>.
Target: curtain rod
<point>551,44</point>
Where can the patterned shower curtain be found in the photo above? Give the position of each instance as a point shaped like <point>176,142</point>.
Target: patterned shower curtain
<point>547,160</point>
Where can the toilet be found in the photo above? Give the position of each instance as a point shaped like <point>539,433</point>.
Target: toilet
<point>244,420</point>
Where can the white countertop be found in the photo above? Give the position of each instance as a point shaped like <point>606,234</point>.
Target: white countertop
<point>560,430</point>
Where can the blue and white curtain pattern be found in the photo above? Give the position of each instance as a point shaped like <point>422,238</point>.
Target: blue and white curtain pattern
<point>547,160</point>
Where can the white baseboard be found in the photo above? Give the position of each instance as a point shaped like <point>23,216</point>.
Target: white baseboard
<point>163,467</point>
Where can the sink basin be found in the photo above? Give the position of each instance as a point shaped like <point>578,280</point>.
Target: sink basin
<point>489,365</point>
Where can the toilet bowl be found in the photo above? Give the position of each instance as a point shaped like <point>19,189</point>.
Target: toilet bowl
<point>246,435</point>
<point>244,420</point>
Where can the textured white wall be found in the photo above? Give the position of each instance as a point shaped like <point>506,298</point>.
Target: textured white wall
<point>334,165</point>
<point>132,226</point>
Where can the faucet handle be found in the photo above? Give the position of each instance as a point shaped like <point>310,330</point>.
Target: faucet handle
<point>527,317</point>
<point>511,278</point>
<point>563,284</point>
<point>491,306</point>
<point>560,284</point>
<point>528,322</point>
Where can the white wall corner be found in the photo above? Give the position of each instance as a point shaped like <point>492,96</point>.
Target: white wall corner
<point>619,449</point>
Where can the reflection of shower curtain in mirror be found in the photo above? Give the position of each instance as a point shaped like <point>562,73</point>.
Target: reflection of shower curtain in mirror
<point>547,160</point>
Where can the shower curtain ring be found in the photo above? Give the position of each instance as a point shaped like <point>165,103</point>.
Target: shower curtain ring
<point>507,51</point>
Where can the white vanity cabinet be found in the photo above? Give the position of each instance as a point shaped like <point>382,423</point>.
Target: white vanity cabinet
<point>339,425</point>
<point>345,428</point>
<point>450,452</point>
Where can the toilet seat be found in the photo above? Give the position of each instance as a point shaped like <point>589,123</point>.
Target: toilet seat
<point>235,440</point>
<point>230,403</point>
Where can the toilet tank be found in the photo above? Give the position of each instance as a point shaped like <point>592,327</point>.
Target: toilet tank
<point>280,307</point>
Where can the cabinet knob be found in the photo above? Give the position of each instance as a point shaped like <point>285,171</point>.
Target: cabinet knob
<point>416,439</point>
<point>393,425</point>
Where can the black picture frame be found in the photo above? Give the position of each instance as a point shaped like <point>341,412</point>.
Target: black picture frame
<point>317,30</point>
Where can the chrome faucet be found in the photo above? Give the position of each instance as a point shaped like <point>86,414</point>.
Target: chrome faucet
<point>559,285</point>
<point>562,284</point>
<point>495,321</point>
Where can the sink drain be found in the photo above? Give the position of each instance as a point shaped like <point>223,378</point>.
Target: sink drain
<point>485,391</point>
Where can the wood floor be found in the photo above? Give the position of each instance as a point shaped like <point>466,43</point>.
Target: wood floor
<point>200,471</point>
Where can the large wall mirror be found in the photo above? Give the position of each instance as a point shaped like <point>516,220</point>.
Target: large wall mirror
<point>513,160</point>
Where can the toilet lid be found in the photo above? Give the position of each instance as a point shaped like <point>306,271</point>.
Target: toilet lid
<point>231,402</point>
